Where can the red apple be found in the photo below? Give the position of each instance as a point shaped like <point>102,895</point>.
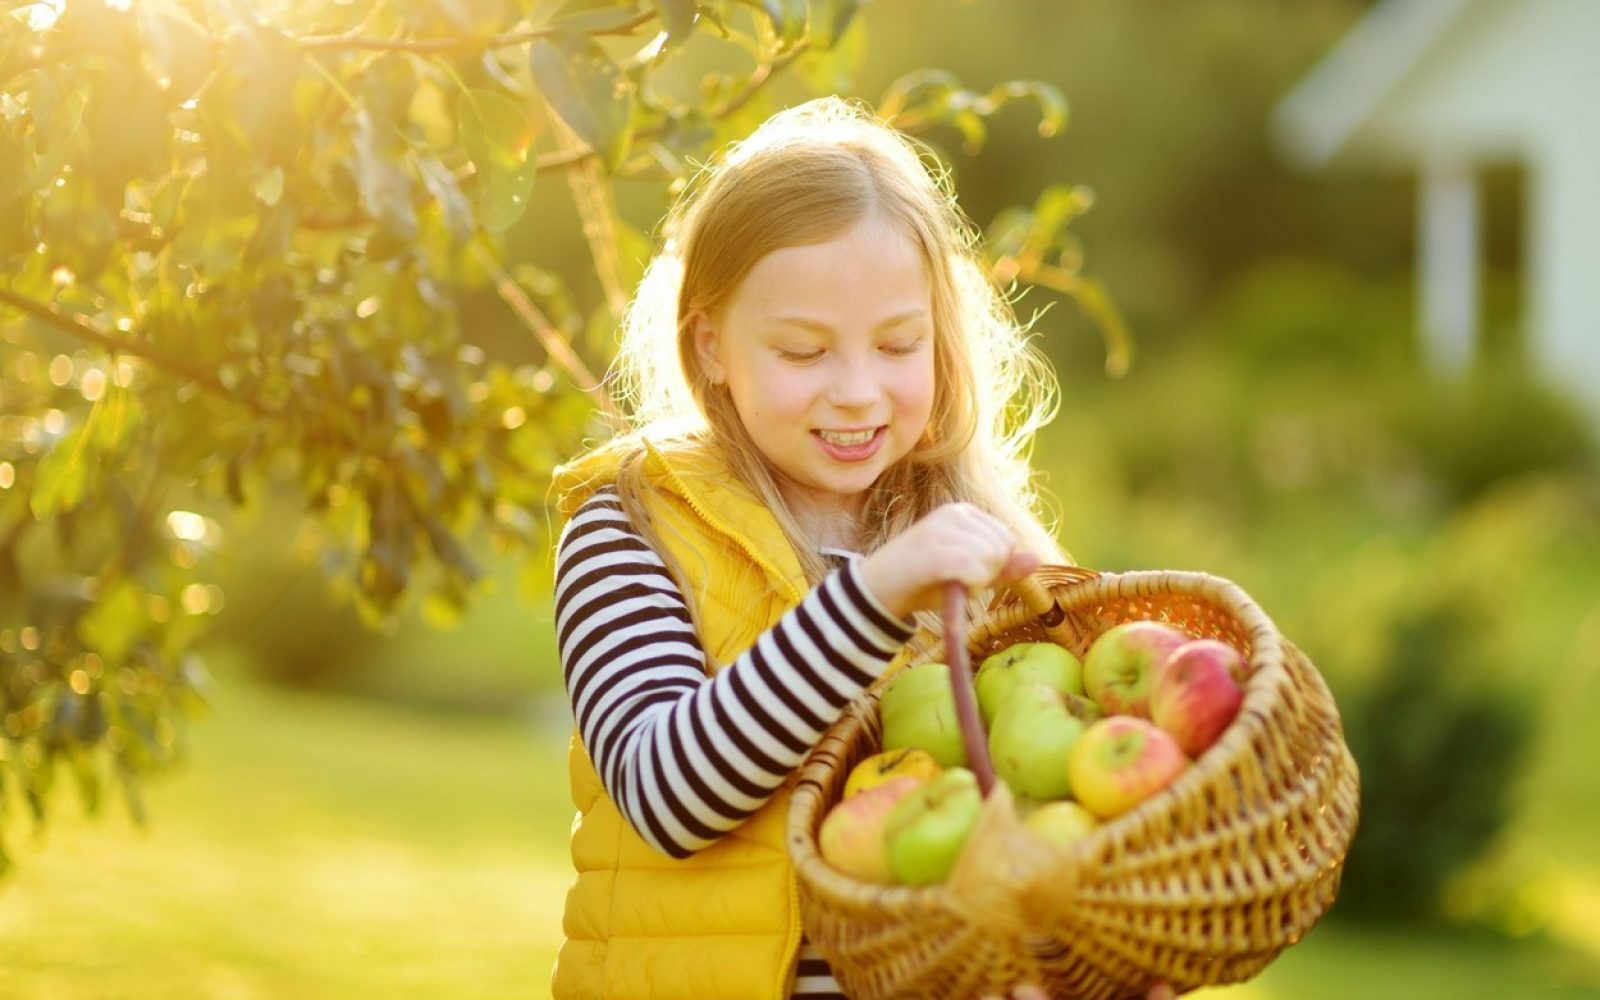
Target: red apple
<point>1198,692</point>
<point>852,837</point>
<point>1119,670</point>
<point>1120,762</point>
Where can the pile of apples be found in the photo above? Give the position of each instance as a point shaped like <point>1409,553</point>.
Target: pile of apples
<point>1077,743</point>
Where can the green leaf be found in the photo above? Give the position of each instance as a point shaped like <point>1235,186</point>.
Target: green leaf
<point>498,137</point>
<point>677,20</point>
<point>589,91</point>
<point>384,184</point>
<point>127,128</point>
<point>1052,103</point>
<point>116,417</point>
<point>57,113</point>
<point>117,619</point>
<point>177,47</point>
<point>265,70</point>
<point>270,188</point>
<point>827,21</point>
<point>834,69</point>
<point>587,17</point>
<point>788,18</point>
<point>62,477</point>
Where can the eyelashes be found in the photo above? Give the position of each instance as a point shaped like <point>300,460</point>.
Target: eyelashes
<point>897,350</point>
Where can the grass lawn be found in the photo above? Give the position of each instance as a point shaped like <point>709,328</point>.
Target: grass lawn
<point>314,848</point>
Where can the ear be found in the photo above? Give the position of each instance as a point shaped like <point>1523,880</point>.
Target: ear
<point>707,348</point>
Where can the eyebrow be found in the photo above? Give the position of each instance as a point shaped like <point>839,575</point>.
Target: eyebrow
<point>812,324</point>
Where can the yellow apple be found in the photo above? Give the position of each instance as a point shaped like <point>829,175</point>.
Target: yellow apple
<point>1061,822</point>
<point>1121,761</point>
<point>907,762</point>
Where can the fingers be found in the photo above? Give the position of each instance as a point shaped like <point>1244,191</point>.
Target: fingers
<point>1021,563</point>
<point>1161,991</point>
<point>988,544</point>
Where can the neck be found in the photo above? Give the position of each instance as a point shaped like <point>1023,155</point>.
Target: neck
<point>827,525</point>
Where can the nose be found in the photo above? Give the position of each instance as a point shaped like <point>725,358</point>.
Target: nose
<point>855,385</point>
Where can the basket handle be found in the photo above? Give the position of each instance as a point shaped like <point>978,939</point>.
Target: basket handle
<point>966,697</point>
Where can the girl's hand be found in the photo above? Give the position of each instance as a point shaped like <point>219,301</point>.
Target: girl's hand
<point>956,541</point>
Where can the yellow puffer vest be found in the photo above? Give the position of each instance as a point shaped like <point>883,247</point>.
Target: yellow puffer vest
<point>724,923</point>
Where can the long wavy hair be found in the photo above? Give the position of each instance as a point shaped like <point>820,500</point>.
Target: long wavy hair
<point>806,176</point>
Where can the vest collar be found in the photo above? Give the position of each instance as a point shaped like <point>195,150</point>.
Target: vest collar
<point>699,474</point>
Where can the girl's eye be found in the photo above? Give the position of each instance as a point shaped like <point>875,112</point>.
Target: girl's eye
<point>901,350</point>
<point>797,356</point>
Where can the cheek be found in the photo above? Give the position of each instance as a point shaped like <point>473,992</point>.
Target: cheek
<point>913,390</point>
<point>770,395</point>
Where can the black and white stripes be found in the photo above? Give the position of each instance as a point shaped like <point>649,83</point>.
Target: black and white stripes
<point>687,757</point>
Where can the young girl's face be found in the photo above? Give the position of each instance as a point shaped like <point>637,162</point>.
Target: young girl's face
<point>827,352</point>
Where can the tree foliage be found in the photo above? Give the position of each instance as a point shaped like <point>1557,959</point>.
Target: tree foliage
<point>235,239</point>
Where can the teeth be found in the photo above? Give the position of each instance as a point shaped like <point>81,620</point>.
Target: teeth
<point>846,440</point>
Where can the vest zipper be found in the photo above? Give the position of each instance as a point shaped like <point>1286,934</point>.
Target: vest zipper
<point>749,550</point>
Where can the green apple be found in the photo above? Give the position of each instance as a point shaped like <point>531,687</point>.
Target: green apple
<point>1031,740</point>
<point>918,710</point>
<point>1061,822</point>
<point>930,825</point>
<point>1025,663</point>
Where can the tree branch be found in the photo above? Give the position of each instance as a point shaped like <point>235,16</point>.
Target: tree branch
<point>764,73</point>
<point>78,326</point>
<point>554,344</point>
<point>504,40</point>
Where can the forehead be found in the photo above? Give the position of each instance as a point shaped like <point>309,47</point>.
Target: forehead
<point>871,270</point>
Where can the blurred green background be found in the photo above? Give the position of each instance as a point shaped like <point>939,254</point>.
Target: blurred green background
<point>385,814</point>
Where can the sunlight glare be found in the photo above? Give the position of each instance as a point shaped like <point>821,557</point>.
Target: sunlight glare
<point>42,16</point>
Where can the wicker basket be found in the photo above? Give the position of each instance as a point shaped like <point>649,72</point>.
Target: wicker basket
<point>1202,884</point>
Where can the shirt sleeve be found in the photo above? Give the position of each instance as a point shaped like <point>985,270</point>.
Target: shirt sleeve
<point>686,756</point>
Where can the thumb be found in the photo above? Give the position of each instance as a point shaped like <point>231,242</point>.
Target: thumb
<point>1020,564</point>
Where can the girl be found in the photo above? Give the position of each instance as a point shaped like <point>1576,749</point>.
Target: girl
<point>830,410</point>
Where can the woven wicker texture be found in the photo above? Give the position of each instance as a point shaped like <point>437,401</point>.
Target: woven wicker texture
<point>1202,884</point>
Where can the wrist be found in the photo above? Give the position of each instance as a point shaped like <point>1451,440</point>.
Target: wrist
<point>878,581</point>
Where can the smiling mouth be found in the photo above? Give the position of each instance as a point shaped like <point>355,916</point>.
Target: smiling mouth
<point>850,439</point>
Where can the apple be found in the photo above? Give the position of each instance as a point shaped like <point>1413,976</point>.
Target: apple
<point>1061,822</point>
<point>1120,761</point>
<point>1032,736</point>
<point>889,766</point>
<point>1021,664</point>
<point>918,710</point>
<point>930,825</point>
<point>1198,692</point>
<point>1120,668</point>
<point>852,837</point>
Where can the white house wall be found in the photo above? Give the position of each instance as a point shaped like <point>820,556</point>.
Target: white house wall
<point>1564,268</point>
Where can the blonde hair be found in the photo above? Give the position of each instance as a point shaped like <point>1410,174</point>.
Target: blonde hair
<point>806,176</point>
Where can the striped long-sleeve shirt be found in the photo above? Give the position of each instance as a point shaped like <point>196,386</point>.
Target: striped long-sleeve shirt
<point>686,756</point>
